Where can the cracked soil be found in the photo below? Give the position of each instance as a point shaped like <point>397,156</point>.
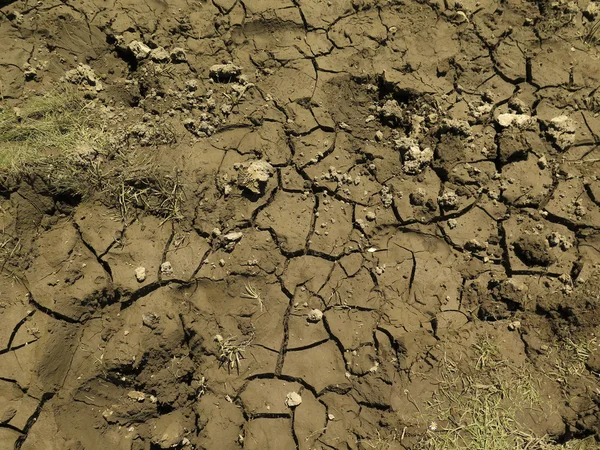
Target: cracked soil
<point>358,192</point>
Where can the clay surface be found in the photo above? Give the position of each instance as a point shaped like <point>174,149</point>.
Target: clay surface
<point>364,190</point>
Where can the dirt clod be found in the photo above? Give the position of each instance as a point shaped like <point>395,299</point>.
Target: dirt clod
<point>225,73</point>
<point>516,325</point>
<point>514,120</point>
<point>159,55</point>
<point>150,320</point>
<point>139,50</point>
<point>178,55</point>
<point>533,250</point>
<point>315,315</point>
<point>166,268</point>
<point>293,399</point>
<point>140,274</point>
<point>255,175</point>
<point>83,75</point>
<point>561,131</point>
<point>168,431</point>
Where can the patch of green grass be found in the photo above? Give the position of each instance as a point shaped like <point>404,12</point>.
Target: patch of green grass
<point>382,440</point>
<point>569,359</point>
<point>488,353</point>
<point>131,184</point>
<point>59,143</point>
<point>588,443</point>
<point>477,408</point>
<point>59,122</point>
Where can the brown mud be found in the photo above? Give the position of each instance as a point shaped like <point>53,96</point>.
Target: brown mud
<point>348,195</point>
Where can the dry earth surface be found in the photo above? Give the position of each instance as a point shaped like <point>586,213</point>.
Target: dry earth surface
<point>314,224</point>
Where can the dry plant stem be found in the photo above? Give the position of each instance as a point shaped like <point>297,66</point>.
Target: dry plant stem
<point>231,352</point>
<point>253,294</point>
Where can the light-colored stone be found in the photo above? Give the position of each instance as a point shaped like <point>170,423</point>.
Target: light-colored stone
<point>315,315</point>
<point>160,55</point>
<point>140,274</point>
<point>234,236</point>
<point>255,175</point>
<point>293,399</point>
<point>514,325</point>
<point>514,120</point>
<point>166,268</point>
<point>561,131</point>
<point>137,396</point>
<point>139,49</point>
<point>225,72</point>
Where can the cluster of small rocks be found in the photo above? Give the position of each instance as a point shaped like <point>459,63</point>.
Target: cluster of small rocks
<point>558,240</point>
<point>415,159</point>
<point>449,200</point>
<point>150,132</point>
<point>140,51</point>
<point>254,175</point>
<point>341,178</point>
<point>414,116</point>
<point>561,131</point>
<point>226,241</point>
<point>84,76</point>
<point>212,115</point>
<point>225,73</point>
<point>387,198</point>
<point>205,126</point>
<point>455,126</point>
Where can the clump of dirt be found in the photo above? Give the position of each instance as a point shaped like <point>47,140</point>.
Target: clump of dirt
<point>533,250</point>
<point>84,76</point>
<point>254,176</point>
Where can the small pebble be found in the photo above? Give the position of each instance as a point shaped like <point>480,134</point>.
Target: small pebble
<point>166,268</point>
<point>150,320</point>
<point>136,395</point>
<point>292,399</point>
<point>315,315</point>
<point>234,236</point>
<point>140,274</point>
<point>514,325</point>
